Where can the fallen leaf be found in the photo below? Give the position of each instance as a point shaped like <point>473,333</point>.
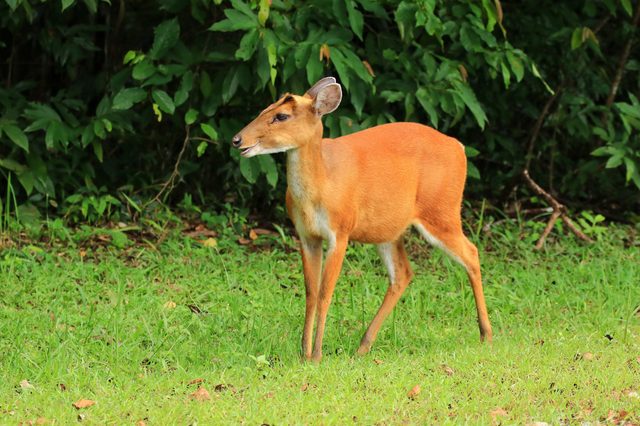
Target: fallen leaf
<point>616,417</point>
<point>170,304</point>
<point>201,394</point>
<point>631,393</point>
<point>141,423</point>
<point>243,241</point>
<point>42,421</point>
<point>304,387</point>
<point>378,361</point>
<point>447,370</point>
<point>587,356</point>
<point>83,403</point>
<point>268,395</point>
<point>196,381</point>
<point>498,412</point>
<point>210,242</point>
<point>414,392</point>
<point>262,231</point>
<point>253,235</point>
<point>26,385</point>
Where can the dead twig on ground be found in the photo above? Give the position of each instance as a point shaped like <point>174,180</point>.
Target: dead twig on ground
<point>559,212</point>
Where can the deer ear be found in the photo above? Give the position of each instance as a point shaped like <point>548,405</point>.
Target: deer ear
<point>313,92</point>
<point>327,99</point>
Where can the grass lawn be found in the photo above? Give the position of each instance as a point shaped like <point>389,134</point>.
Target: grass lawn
<point>132,330</point>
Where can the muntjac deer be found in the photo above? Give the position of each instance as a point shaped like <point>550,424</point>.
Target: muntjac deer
<point>369,186</point>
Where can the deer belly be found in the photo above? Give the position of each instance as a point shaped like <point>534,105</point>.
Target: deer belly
<point>382,223</point>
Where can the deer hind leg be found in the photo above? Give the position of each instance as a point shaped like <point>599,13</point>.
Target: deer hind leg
<point>395,259</point>
<point>459,248</point>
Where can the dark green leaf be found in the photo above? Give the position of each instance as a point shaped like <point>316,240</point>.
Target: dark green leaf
<point>355,18</point>
<point>164,101</point>
<point>27,180</point>
<point>17,136</point>
<point>268,166</point>
<point>516,65</point>
<point>235,21</point>
<point>97,150</point>
<point>67,3</point>
<point>191,116</point>
<point>248,45</point>
<point>427,104</point>
<point>143,70</point>
<point>209,131</point>
<point>166,35</point>
<point>202,147</point>
<point>126,98</point>
<point>249,168</point>
<point>470,100</point>
<point>12,165</point>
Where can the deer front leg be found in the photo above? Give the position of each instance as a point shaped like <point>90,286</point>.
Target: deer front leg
<point>311,250</point>
<point>335,256</point>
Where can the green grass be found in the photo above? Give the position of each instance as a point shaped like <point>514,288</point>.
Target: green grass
<point>101,325</point>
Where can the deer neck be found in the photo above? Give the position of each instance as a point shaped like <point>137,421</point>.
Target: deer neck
<point>306,173</point>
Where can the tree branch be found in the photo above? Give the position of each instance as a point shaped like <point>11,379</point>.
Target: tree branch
<point>624,56</point>
<point>559,211</point>
<point>168,186</point>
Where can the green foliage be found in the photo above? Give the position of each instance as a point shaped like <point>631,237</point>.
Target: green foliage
<point>98,97</point>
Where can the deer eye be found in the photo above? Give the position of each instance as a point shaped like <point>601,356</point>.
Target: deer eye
<point>280,117</point>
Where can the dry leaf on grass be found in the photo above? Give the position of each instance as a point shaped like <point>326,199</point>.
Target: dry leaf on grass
<point>26,385</point>
<point>201,231</point>
<point>447,370</point>
<point>262,231</point>
<point>414,392</point>
<point>196,381</point>
<point>83,403</point>
<point>587,356</point>
<point>141,423</point>
<point>498,412</point>
<point>616,417</point>
<point>378,361</point>
<point>210,242</point>
<point>304,387</point>
<point>244,241</point>
<point>42,421</point>
<point>253,235</point>
<point>201,394</point>
<point>170,304</point>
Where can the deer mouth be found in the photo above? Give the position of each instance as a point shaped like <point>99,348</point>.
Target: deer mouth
<point>246,151</point>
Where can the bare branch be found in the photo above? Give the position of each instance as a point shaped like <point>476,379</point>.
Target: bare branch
<point>168,186</point>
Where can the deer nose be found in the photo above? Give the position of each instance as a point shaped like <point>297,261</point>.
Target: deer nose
<point>237,140</point>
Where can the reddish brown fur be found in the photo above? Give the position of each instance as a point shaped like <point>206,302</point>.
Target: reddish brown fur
<point>369,186</point>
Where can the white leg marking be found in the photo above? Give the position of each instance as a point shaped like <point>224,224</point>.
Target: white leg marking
<point>437,243</point>
<point>386,253</point>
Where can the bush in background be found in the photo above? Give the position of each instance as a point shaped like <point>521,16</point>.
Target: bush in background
<point>99,99</point>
